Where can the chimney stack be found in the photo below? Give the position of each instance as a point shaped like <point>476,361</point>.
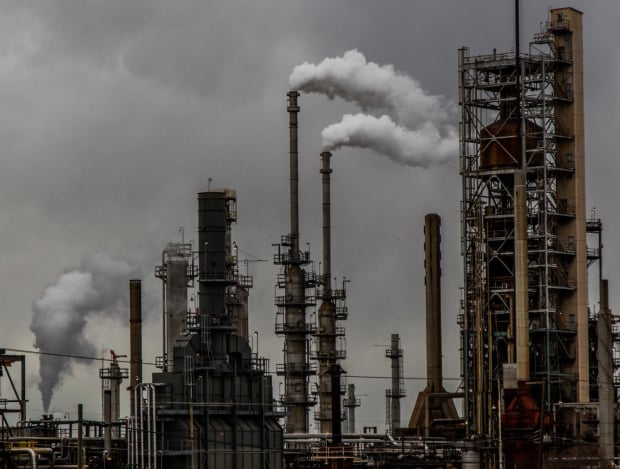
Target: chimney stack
<point>135,338</point>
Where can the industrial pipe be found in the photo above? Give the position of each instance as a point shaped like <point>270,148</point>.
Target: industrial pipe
<point>135,338</point>
<point>432,265</point>
<point>327,253</point>
<point>521,278</point>
<point>293,110</point>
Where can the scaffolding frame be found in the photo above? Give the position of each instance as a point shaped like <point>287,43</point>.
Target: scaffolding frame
<point>519,98</point>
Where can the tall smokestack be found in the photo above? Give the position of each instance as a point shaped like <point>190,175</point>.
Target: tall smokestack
<point>432,266</point>
<point>441,405</point>
<point>291,316</point>
<point>293,110</point>
<point>135,338</point>
<point>327,245</point>
<point>327,312</point>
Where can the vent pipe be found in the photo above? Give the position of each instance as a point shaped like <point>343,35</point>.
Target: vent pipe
<point>135,338</point>
<point>293,110</point>
<point>327,245</point>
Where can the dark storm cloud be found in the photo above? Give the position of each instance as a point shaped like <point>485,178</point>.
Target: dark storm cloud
<point>116,113</point>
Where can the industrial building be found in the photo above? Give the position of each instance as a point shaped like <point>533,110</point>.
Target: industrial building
<point>538,388</point>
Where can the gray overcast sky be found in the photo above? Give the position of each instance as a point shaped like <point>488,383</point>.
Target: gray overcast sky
<point>115,113</point>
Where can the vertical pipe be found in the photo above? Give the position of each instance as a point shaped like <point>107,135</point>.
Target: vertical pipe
<point>396,356</point>
<point>22,402</point>
<point>432,265</point>
<point>135,338</point>
<point>327,252</point>
<point>79,437</point>
<point>327,320</point>
<point>107,420</point>
<point>605,378</point>
<point>293,110</point>
<point>335,371</point>
<point>521,278</point>
<point>351,401</point>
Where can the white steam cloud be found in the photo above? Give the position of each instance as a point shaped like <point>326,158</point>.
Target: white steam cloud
<point>416,127</point>
<point>421,147</point>
<point>60,316</point>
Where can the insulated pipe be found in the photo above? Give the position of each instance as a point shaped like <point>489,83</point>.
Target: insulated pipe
<point>135,338</point>
<point>521,279</point>
<point>80,439</point>
<point>432,266</point>
<point>30,451</point>
<point>293,110</point>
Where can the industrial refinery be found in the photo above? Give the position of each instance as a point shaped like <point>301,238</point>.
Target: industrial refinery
<point>538,384</point>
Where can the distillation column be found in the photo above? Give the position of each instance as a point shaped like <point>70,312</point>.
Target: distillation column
<point>176,274</point>
<point>328,334</point>
<point>291,315</point>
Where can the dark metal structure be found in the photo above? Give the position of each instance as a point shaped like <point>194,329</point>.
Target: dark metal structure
<point>215,408</point>
<point>15,402</point>
<point>298,280</point>
<point>433,403</point>
<point>525,306</point>
<point>329,339</point>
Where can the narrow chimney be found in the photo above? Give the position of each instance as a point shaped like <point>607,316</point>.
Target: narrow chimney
<point>135,338</point>
<point>293,110</point>
<point>327,245</point>
<point>432,266</point>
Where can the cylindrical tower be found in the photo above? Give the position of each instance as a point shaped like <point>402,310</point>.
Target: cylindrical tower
<point>432,279</point>
<point>295,279</point>
<point>216,212</point>
<point>350,403</point>
<point>328,332</point>
<point>176,265</point>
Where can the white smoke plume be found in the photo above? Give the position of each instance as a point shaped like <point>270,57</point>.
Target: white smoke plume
<point>416,127</point>
<point>99,286</point>
<point>421,147</point>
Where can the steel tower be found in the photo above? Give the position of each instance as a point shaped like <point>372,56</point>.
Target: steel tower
<point>524,308</point>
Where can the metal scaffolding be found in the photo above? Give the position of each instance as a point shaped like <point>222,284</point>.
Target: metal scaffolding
<point>524,253</point>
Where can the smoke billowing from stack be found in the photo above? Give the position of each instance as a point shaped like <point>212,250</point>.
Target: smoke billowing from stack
<point>415,127</point>
<point>60,316</point>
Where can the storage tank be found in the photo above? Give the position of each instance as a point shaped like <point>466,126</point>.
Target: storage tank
<point>500,144</point>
